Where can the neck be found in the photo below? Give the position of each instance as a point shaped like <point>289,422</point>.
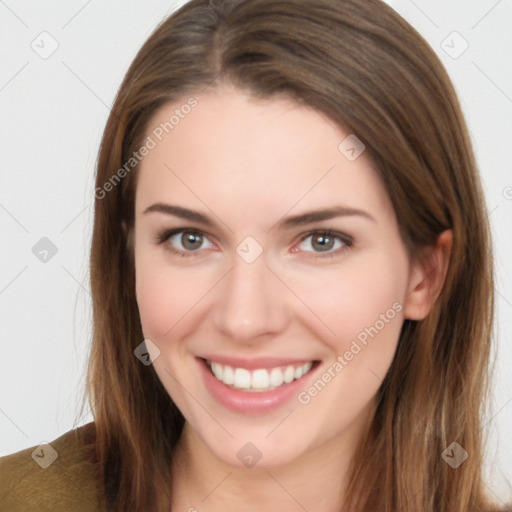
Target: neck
<point>315,480</point>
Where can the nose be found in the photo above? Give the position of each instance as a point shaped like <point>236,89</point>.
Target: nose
<point>250,303</point>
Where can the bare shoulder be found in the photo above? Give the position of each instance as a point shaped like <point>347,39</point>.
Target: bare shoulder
<point>61,475</point>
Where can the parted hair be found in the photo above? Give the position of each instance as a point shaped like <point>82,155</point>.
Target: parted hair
<point>364,67</point>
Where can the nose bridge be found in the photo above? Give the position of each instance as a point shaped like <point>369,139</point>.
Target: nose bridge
<point>250,302</point>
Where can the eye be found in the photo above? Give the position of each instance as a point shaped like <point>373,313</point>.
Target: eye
<point>184,242</point>
<point>190,242</point>
<point>325,243</point>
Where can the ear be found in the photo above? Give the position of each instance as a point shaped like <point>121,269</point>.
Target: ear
<point>427,278</point>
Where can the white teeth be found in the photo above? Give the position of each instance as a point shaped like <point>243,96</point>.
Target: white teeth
<point>306,368</point>
<point>228,376</point>
<point>302,370</point>
<point>276,377</point>
<point>242,378</point>
<point>260,379</point>
<point>289,374</point>
<point>217,370</point>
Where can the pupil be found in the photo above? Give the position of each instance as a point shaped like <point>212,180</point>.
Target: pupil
<point>191,240</point>
<point>325,242</point>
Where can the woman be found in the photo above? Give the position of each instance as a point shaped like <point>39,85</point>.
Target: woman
<point>291,272</point>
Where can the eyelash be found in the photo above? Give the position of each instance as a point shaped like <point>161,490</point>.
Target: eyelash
<point>347,241</point>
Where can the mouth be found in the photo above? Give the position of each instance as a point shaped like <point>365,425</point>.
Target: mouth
<point>255,385</point>
<point>259,380</point>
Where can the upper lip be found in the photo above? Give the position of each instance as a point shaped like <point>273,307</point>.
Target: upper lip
<point>254,363</point>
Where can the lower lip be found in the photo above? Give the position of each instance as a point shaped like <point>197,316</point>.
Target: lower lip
<point>251,402</point>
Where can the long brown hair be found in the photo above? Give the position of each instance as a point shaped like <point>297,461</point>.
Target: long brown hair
<point>366,69</point>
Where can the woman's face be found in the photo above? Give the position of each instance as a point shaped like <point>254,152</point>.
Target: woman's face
<point>266,245</point>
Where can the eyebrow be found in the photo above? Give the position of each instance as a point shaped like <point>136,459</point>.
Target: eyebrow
<point>287,222</point>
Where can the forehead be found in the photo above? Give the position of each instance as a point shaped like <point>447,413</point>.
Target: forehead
<point>245,154</point>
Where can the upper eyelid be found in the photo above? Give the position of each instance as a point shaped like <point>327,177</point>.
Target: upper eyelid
<point>346,239</point>
<point>174,231</point>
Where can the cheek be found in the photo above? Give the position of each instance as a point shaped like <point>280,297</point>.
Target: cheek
<point>363,308</point>
<point>163,294</point>
<point>359,302</point>
<point>168,294</point>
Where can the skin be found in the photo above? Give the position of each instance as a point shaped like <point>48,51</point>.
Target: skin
<point>247,164</point>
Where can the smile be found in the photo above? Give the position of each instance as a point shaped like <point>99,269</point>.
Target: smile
<point>255,385</point>
<point>260,379</point>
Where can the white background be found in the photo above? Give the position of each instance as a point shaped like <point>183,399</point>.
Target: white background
<point>53,114</point>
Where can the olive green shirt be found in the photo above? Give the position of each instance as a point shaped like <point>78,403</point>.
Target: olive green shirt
<point>59,476</point>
